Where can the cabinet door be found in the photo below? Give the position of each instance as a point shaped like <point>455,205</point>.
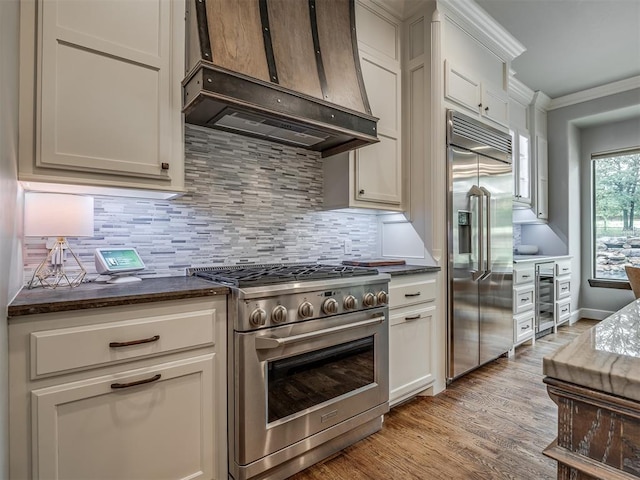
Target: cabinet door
<point>106,87</point>
<point>163,429</point>
<point>495,105</point>
<point>462,88</point>
<point>410,351</point>
<point>378,166</point>
<point>542,184</point>
<point>522,160</point>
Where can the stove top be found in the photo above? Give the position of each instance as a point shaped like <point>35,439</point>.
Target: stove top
<point>260,275</point>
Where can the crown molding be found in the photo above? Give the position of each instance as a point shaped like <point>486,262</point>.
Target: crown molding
<point>541,101</point>
<point>596,92</point>
<point>520,92</point>
<point>483,26</point>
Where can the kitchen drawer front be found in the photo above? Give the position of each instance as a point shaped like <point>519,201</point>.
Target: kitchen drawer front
<point>523,298</point>
<point>523,275</point>
<point>412,292</point>
<point>563,311</point>
<point>563,267</point>
<point>64,349</point>
<point>523,325</point>
<point>411,314</point>
<point>563,287</point>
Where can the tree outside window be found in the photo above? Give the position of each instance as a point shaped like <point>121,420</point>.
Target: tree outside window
<point>616,208</point>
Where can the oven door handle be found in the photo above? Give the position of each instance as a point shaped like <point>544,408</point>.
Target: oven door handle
<point>267,343</point>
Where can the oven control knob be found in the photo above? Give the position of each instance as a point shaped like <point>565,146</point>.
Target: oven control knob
<point>382,297</point>
<point>258,317</point>
<point>330,306</point>
<point>305,310</point>
<point>350,302</point>
<point>369,300</point>
<point>279,314</point>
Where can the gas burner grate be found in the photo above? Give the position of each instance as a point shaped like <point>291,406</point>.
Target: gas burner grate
<point>258,275</point>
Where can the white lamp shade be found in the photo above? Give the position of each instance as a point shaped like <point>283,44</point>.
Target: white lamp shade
<point>57,215</point>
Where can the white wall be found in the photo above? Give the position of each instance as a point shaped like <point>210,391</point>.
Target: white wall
<point>10,257</point>
<point>601,138</point>
<point>566,190</point>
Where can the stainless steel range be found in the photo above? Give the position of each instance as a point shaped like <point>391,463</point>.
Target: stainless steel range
<point>308,363</point>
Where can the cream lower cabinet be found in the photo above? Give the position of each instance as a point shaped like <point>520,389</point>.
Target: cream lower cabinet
<point>153,408</point>
<point>562,308</point>
<point>523,303</point>
<point>413,313</point>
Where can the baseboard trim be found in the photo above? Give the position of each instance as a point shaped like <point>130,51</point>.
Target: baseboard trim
<point>591,313</point>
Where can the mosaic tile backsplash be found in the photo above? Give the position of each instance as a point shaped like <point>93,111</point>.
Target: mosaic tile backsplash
<point>248,201</point>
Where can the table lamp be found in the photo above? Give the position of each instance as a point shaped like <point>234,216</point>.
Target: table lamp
<point>58,215</point>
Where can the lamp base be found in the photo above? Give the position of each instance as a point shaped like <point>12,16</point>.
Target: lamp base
<point>51,272</point>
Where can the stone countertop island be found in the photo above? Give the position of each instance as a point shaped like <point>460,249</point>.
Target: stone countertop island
<point>595,381</point>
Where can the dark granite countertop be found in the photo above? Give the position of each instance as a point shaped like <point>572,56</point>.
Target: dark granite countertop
<point>395,270</point>
<point>97,295</point>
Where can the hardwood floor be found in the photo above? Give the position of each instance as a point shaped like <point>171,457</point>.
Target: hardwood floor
<point>490,424</point>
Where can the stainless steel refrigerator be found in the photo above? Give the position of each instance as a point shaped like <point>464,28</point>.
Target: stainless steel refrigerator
<point>480,318</point>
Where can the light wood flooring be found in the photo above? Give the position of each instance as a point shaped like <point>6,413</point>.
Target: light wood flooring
<point>490,424</point>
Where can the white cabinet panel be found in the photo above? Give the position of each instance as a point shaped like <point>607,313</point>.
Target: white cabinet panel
<point>495,105</point>
<point>523,298</point>
<point>542,183</point>
<point>161,429</point>
<point>461,88</point>
<point>377,32</point>
<point>523,275</point>
<point>410,351</point>
<point>377,172</point>
<point>382,85</point>
<point>524,327</point>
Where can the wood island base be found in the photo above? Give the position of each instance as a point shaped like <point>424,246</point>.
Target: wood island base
<point>598,434</point>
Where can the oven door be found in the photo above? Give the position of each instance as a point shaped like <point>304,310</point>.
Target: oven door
<point>294,381</point>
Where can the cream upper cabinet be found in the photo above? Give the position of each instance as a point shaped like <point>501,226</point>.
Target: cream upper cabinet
<point>521,167</point>
<point>542,180</point>
<point>107,103</point>
<point>371,177</point>
<point>475,78</point>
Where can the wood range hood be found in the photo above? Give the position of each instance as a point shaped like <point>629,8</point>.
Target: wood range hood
<point>283,70</point>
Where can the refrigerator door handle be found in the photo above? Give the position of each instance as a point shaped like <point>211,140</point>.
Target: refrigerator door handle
<point>477,192</point>
<point>487,232</point>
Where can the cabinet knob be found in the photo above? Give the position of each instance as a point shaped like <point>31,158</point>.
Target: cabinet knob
<point>486,109</point>
<point>479,105</point>
<point>361,192</point>
<point>165,166</point>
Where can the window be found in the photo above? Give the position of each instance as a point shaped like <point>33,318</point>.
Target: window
<point>616,213</point>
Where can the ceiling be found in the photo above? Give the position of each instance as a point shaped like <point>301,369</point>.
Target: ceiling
<point>572,45</point>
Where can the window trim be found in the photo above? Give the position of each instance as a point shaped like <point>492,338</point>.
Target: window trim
<point>594,281</point>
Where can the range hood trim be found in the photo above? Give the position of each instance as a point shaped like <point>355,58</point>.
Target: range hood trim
<point>209,83</point>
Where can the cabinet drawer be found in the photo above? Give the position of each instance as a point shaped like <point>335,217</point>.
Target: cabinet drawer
<point>523,275</point>
<point>563,267</point>
<point>88,346</point>
<point>411,293</point>
<point>563,311</point>
<point>563,287</point>
<point>523,325</point>
<point>523,298</point>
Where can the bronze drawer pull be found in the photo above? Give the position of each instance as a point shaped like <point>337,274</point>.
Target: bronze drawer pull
<point>155,338</point>
<point>155,378</point>
<point>414,317</point>
<point>412,294</point>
